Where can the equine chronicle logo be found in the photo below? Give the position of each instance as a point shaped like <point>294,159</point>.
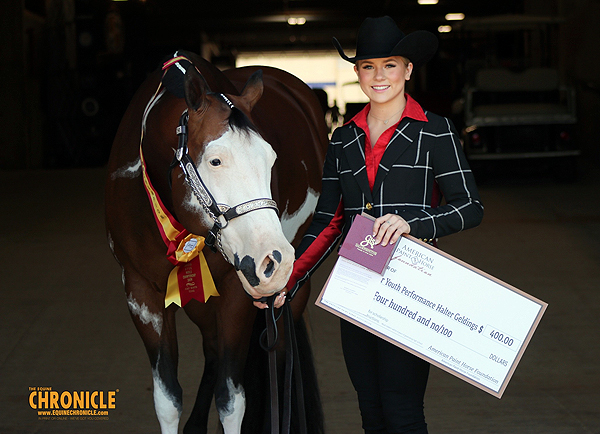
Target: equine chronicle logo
<point>72,405</point>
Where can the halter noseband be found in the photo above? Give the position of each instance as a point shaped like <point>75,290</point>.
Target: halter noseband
<point>215,210</point>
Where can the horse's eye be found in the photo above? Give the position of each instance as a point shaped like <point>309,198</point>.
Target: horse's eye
<point>215,162</point>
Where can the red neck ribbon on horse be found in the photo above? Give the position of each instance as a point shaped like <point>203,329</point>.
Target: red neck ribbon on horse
<point>191,278</point>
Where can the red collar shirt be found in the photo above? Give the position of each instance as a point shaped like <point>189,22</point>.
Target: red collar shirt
<point>373,154</point>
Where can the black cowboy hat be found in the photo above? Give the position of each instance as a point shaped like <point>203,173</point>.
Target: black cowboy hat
<point>381,37</point>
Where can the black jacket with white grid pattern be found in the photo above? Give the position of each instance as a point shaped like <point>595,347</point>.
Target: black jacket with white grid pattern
<point>418,156</point>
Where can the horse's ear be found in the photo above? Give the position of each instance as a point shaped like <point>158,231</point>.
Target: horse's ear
<point>253,90</point>
<point>196,89</point>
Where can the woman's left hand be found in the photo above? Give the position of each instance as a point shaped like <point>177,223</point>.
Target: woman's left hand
<point>389,228</point>
<point>279,301</point>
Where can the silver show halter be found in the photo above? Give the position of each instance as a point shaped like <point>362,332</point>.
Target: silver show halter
<point>221,214</point>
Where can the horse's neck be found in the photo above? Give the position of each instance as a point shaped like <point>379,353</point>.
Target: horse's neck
<point>160,142</point>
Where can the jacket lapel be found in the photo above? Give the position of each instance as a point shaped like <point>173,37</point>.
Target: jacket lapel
<point>405,136</point>
<point>355,153</point>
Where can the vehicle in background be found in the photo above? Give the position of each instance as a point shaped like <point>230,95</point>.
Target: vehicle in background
<point>516,107</point>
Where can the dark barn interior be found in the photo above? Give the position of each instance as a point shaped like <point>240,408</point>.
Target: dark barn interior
<point>520,79</point>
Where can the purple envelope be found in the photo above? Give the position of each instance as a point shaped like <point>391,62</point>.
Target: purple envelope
<point>359,245</point>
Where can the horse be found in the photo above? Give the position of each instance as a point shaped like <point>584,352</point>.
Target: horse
<point>201,164</point>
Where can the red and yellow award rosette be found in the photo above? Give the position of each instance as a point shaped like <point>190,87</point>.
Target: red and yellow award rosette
<point>191,278</point>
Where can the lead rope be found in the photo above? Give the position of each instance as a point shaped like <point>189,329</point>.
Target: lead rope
<point>292,370</point>
<point>271,335</point>
<point>297,373</point>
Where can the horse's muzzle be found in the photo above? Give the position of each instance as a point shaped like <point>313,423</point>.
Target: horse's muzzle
<point>266,276</point>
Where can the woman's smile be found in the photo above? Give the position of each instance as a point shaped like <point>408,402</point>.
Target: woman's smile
<point>383,80</point>
<point>380,88</point>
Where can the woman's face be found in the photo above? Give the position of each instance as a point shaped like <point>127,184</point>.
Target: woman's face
<point>382,80</point>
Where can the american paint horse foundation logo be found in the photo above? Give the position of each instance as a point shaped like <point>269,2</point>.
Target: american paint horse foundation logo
<point>367,245</point>
<point>72,405</point>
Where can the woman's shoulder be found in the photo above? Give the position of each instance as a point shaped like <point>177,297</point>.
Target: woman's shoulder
<point>347,130</point>
<point>438,124</point>
<point>433,118</point>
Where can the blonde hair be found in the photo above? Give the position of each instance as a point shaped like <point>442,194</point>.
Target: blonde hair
<point>405,60</point>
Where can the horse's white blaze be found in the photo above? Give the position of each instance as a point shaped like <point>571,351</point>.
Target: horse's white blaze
<point>231,417</point>
<point>291,223</point>
<point>244,174</point>
<point>144,314</point>
<point>167,412</point>
<point>130,170</point>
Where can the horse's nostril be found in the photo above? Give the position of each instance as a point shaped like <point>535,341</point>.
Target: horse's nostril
<point>246,266</point>
<point>269,268</point>
<point>277,255</point>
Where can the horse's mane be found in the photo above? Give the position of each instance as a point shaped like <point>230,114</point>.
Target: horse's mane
<point>239,121</point>
<point>173,79</point>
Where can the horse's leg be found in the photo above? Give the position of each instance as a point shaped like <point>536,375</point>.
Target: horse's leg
<point>206,321</point>
<point>156,326</point>
<point>235,318</point>
<point>226,324</point>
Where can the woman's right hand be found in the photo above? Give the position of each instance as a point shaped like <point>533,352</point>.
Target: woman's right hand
<point>389,228</point>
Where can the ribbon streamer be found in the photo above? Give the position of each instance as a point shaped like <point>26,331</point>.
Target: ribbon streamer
<point>191,277</point>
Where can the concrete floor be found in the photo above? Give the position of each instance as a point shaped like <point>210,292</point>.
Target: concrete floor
<point>64,322</point>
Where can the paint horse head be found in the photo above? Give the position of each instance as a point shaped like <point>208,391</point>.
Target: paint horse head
<point>222,181</point>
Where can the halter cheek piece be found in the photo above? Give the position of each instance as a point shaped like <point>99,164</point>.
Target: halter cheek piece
<point>221,214</point>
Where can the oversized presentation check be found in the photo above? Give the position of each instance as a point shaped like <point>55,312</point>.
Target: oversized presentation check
<point>439,308</point>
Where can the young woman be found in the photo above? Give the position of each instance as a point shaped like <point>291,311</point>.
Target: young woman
<point>396,162</point>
